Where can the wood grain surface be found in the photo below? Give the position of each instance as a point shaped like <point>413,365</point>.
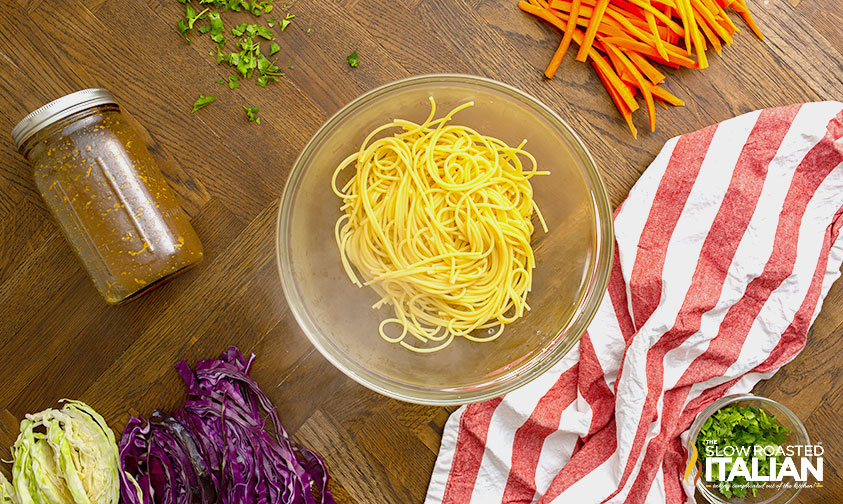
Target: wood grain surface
<point>59,339</point>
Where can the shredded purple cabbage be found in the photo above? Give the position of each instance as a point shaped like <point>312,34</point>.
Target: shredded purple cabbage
<point>162,464</point>
<point>230,458</point>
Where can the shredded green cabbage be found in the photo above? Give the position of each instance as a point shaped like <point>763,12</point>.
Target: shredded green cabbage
<point>7,493</point>
<point>66,456</point>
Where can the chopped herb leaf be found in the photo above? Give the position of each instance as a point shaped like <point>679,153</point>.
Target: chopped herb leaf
<point>203,101</point>
<point>352,59</point>
<point>308,30</point>
<point>217,29</point>
<point>274,48</point>
<point>743,428</point>
<point>191,16</point>
<point>238,30</point>
<point>284,24</point>
<point>264,79</point>
<point>204,29</point>
<point>182,27</point>
<point>252,113</point>
<point>220,81</point>
<point>265,32</point>
<point>233,82</point>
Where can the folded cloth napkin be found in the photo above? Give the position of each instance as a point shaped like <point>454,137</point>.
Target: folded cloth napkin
<point>724,251</point>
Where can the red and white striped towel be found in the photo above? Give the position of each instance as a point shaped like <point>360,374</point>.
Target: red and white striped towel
<point>725,249</point>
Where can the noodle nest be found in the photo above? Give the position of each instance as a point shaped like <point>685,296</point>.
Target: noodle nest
<point>437,220</point>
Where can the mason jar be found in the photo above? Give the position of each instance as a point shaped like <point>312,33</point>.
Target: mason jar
<point>107,194</point>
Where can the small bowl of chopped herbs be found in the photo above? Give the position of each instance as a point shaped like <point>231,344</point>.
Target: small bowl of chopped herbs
<point>739,448</point>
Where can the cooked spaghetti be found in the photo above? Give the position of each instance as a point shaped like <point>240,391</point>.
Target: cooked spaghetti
<point>437,220</point>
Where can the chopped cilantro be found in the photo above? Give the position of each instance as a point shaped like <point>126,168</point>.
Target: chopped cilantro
<point>217,29</point>
<point>219,81</point>
<point>203,101</point>
<point>252,113</point>
<point>190,18</point>
<point>239,29</point>
<point>352,59</point>
<point>308,30</point>
<point>274,48</point>
<point>744,428</point>
<point>233,82</point>
<point>286,21</point>
<point>264,32</point>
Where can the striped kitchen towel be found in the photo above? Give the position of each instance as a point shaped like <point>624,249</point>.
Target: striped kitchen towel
<point>725,249</point>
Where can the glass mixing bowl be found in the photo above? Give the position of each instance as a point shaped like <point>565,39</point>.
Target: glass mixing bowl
<point>572,259</point>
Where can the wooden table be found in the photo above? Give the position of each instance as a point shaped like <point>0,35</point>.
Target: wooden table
<point>59,339</point>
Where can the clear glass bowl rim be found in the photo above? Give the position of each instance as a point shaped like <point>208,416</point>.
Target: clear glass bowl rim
<point>721,403</point>
<point>595,288</point>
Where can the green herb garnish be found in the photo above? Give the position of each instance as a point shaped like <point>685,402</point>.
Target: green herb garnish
<point>217,29</point>
<point>274,48</point>
<point>252,112</point>
<point>352,59</point>
<point>203,101</point>
<point>233,82</point>
<point>744,428</point>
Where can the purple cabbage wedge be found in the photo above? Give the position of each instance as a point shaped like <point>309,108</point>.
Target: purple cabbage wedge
<point>225,455</point>
<point>162,464</point>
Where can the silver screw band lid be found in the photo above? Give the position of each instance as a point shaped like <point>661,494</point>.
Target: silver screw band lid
<point>58,109</point>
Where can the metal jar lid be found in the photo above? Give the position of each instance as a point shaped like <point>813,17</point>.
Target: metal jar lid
<point>58,109</point>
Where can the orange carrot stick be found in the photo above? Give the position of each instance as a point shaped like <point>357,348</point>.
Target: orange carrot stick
<point>607,26</point>
<point>743,10</point>
<point>708,18</point>
<point>677,56</point>
<point>643,85</point>
<point>654,29</point>
<point>566,41</point>
<point>591,32</point>
<point>712,38</point>
<point>664,96</point>
<point>683,16</point>
<point>645,67</point>
<point>626,113</point>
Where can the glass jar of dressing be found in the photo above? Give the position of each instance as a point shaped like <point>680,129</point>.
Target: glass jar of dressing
<point>106,192</point>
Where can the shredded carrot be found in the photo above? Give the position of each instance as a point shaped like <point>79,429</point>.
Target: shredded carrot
<point>625,38</point>
<point>591,32</point>
<point>642,84</point>
<point>743,10</point>
<point>645,67</point>
<point>621,106</point>
<point>566,41</point>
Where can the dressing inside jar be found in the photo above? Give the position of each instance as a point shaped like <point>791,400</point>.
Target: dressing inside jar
<point>107,194</point>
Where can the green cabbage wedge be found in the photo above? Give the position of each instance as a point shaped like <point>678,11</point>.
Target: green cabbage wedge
<point>66,456</point>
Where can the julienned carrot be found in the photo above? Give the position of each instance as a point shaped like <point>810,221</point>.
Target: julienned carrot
<point>708,18</point>
<point>677,59</point>
<point>663,95</point>
<point>566,40</point>
<point>741,8</point>
<point>645,67</point>
<point>591,32</point>
<point>626,113</point>
<point>640,82</point>
<point>711,37</point>
<point>607,27</point>
<point>632,34</point>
